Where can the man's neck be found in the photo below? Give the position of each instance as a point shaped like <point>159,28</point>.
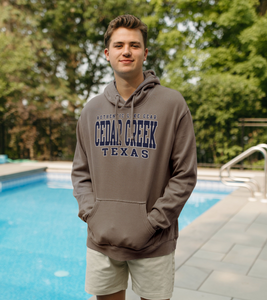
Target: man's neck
<point>127,86</point>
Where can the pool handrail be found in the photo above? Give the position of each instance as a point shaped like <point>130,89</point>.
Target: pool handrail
<point>246,182</point>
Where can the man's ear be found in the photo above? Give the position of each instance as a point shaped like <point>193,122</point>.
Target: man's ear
<point>145,55</point>
<point>106,54</point>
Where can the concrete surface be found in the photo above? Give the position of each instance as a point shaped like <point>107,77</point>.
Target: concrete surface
<point>15,170</point>
<point>12,171</point>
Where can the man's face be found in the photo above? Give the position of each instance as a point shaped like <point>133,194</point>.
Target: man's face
<point>126,52</point>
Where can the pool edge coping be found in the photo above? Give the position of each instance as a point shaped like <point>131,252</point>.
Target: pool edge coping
<point>21,174</point>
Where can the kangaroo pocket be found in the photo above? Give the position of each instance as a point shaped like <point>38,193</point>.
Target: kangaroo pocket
<point>121,224</point>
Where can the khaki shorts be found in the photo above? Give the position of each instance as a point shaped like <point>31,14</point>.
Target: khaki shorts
<point>152,278</point>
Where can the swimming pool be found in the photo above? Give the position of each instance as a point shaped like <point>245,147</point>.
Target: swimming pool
<point>204,196</point>
<point>42,241</point>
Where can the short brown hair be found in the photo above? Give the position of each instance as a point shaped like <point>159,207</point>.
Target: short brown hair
<point>126,21</point>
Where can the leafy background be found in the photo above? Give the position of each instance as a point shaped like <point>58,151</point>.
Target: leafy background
<point>52,63</point>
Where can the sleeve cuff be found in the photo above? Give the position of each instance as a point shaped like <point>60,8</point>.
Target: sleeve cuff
<point>152,217</point>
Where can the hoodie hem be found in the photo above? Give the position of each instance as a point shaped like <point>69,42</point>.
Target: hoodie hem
<point>124,254</point>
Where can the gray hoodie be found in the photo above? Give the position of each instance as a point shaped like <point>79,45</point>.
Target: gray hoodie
<point>134,169</point>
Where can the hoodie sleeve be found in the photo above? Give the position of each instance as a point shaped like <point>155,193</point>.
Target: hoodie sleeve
<point>183,162</point>
<point>81,178</point>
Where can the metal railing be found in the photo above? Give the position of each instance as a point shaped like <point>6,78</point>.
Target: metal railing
<point>247,182</point>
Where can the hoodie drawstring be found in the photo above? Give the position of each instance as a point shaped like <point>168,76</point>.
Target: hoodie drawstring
<point>116,118</point>
<point>132,115</point>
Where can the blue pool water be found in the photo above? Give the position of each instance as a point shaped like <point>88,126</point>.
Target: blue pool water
<point>197,204</point>
<point>43,242</point>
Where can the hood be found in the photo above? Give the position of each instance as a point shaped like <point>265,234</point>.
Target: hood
<point>113,96</point>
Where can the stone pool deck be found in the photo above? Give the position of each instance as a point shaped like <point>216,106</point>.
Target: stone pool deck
<point>222,255</point>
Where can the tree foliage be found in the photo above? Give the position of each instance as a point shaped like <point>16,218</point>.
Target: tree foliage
<point>219,63</point>
<point>51,52</point>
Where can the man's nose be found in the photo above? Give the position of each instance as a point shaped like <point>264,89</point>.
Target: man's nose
<point>127,51</point>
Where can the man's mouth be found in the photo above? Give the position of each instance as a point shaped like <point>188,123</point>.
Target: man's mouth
<point>126,61</point>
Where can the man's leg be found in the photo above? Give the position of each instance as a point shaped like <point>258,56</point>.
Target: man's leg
<point>105,277</point>
<point>116,296</point>
<point>153,278</point>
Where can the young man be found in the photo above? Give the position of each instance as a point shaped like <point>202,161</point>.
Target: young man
<point>133,170</point>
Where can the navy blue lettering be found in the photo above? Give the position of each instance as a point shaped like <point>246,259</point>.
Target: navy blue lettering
<point>123,152</point>
<point>144,153</point>
<point>134,153</point>
<point>134,133</point>
<point>127,140</point>
<point>104,151</point>
<point>113,137</point>
<point>139,127</point>
<point>107,133</point>
<point>146,140</point>
<point>152,143</point>
<point>102,138</point>
<point>120,130</point>
<point>96,129</point>
<point>114,151</point>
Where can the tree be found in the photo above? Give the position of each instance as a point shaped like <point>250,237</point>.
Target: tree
<point>218,62</point>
